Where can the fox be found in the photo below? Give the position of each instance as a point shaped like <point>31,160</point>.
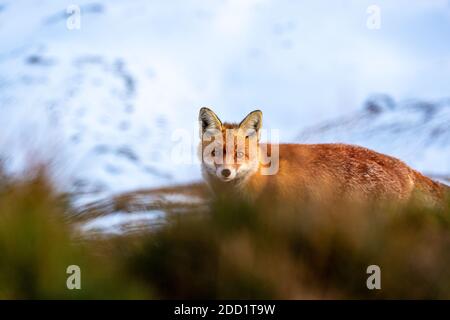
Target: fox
<point>234,161</point>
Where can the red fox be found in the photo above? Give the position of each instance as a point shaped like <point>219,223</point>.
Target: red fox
<point>233,160</point>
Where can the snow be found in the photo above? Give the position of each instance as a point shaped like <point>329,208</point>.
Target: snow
<point>416,132</point>
<point>106,104</point>
<point>120,222</point>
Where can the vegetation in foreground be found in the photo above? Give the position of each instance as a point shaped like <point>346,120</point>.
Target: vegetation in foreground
<point>234,251</point>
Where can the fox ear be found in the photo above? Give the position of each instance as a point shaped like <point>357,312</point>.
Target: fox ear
<point>252,123</point>
<point>208,120</point>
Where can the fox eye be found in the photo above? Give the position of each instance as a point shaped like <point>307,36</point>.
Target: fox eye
<point>240,155</point>
<point>219,153</point>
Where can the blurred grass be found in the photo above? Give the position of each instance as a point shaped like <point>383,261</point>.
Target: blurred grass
<point>237,250</point>
<point>38,243</point>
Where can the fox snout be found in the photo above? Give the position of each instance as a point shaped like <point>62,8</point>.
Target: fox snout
<point>225,173</point>
<point>224,167</point>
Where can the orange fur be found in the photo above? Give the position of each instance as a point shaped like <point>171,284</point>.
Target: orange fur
<point>324,171</point>
<point>319,171</point>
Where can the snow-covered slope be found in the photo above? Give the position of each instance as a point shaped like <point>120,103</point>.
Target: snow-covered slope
<point>416,132</point>
<point>85,102</point>
<point>108,103</point>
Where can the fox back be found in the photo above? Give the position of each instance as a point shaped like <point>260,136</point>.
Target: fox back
<point>234,161</point>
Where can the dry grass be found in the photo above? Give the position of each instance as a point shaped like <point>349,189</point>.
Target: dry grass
<point>235,250</point>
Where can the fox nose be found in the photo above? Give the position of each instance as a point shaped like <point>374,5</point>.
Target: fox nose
<point>226,173</point>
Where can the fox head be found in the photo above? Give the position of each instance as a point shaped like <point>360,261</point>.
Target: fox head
<point>229,151</point>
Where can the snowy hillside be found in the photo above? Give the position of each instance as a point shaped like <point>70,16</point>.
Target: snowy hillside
<point>416,132</point>
<point>82,100</point>
<point>107,103</point>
